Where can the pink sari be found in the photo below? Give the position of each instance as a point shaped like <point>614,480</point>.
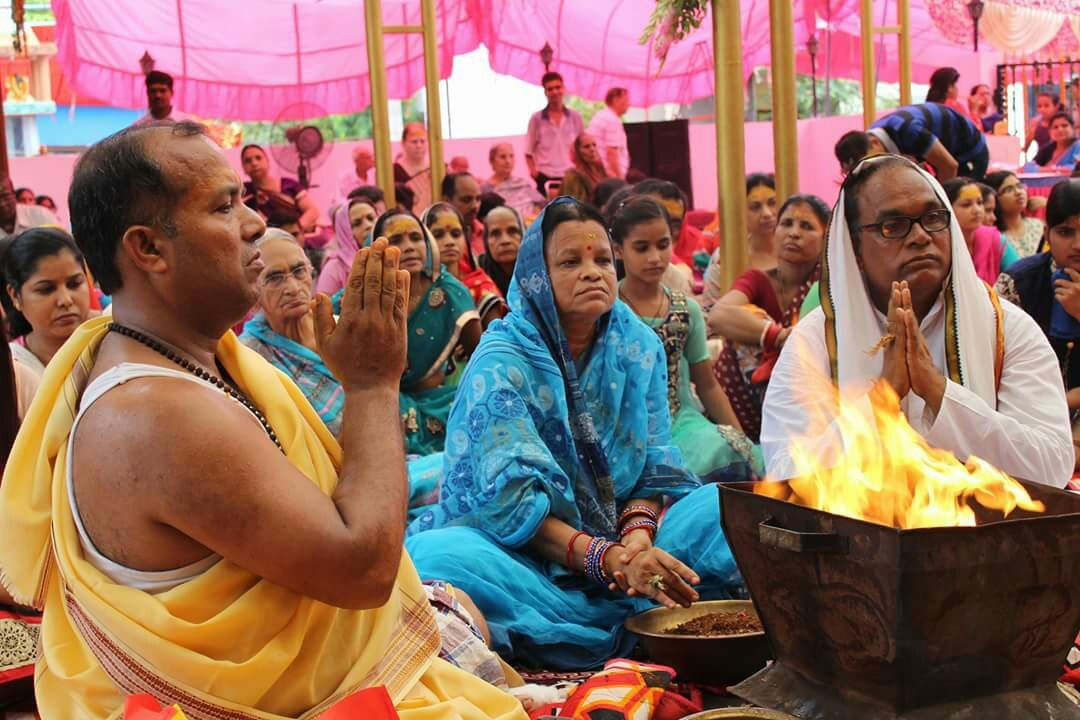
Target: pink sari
<point>987,252</point>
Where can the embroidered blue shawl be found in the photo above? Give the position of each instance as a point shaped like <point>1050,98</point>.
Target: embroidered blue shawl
<point>527,437</point>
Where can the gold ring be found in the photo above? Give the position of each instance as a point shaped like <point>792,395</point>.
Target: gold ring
<point>657,583</point>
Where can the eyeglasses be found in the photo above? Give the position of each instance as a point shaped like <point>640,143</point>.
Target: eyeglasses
<point>1010,189</point>
<point>275,279</point>
<point>898,228</point>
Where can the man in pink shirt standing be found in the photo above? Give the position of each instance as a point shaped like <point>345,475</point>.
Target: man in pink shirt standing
<point>607,128</point>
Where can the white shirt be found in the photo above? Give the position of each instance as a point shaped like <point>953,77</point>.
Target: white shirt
<point>607,128</point>
<point>1027,435</point>
<point>174,116</point>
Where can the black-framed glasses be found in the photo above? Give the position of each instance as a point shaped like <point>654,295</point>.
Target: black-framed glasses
<point>300,271</point>
<point>898,228</point>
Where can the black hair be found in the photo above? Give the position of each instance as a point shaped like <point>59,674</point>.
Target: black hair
<point>449,183</point>
<point>975,89</point>
<point>662,188</point>
<point>634,211</point>
<point>281,217</point>
<point>1061,115</point>
<point>118,183</point>
<point>20,261</point>
<point>758,179</point>
<point>567,209</point>
<point>157,77</point>
<point>409,126</point>
<point>488,202</point>
<point>19,191</point>
<point>605,189</point>
<point>852,147</point>
<point>1063,203</point>
<point>1054,97</point>
<point>858,177</point>
<point>816,204</point>
<point>612,205</point>
<point>614,94</point>
<point>940,82</point>
<point>953,186</point>
<point>9,401</point>
<point>373,194</point>
<point>987,191</point>
<point>550,76</point>
<point>248,147</point>
<point>994,180</point>
<point>404,196</point>
<point>40,200</point>
<point>433,212</point>
<point>380,224</point>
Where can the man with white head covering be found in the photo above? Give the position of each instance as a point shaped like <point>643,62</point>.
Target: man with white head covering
<point>974,374</point>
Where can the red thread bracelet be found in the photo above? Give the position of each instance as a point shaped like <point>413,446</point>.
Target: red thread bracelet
<point>570,548</point>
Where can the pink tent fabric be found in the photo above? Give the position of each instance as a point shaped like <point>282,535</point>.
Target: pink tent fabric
<point>253,60</point>
<point>247,60</point>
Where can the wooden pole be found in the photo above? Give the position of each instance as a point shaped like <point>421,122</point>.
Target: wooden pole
<point>866,33</point>
<point>380,120</point>
<point>785,112</point>
<point>431,90</point>
<point>730,140</point>
<point>904,55</point>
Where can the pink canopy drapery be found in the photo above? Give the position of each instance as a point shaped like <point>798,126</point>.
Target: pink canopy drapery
<point>253,59</point>
<point>247,59</point>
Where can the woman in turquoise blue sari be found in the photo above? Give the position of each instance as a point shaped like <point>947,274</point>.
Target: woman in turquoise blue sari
<point>559,463</point>
<point>444,329</point>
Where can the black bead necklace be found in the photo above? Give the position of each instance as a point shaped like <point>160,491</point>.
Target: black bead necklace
<point>197,371</point>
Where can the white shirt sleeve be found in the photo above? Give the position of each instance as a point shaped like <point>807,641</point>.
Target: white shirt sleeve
<point>800,397</point>
<point>1028,435</point>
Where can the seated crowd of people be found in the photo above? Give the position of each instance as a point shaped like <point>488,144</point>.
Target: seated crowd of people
<point>493,427</point>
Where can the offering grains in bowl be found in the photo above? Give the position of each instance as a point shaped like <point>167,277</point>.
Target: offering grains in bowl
<point>719,624</point>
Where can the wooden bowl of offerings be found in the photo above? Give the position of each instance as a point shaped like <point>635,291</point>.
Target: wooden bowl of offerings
<point>746,713</point>
<point>715,642</point>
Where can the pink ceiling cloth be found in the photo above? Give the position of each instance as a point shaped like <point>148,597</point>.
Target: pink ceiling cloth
<point>252,60</point>
<point>247,60</point>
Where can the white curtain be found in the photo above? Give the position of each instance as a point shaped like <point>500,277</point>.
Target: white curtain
<point>1019,29</point>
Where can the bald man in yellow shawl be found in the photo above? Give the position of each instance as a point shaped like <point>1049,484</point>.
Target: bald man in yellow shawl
<point>173,503</point>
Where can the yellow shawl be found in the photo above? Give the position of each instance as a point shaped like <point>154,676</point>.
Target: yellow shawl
<point>226,645</point>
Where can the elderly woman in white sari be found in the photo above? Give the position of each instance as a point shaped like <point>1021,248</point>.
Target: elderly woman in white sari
<point>975,375</point>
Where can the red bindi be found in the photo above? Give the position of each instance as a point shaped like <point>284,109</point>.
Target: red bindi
<point>588,248</point>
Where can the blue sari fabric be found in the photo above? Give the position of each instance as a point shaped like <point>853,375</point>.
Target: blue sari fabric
<point>303,365</point>
<point>528,438</point>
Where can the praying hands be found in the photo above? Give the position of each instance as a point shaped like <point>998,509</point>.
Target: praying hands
<point>909,366</point>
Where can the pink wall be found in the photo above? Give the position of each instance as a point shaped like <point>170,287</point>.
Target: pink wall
<point>818,169</point>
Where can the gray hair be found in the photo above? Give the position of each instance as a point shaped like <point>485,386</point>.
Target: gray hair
<point>276,234</point>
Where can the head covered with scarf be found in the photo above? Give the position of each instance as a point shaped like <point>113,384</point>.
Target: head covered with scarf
<point>531,434</point>
<point>974,334</point>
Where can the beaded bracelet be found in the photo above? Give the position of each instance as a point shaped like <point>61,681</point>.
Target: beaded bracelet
<point>634,510</point>
<point>641,524</point>
<point>570,548</point>
<point>594,560</point>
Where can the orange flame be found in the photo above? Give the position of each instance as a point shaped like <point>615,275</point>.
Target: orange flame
<point>888,474</point>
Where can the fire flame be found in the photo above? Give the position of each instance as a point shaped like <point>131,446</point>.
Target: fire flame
<point>888,474</point>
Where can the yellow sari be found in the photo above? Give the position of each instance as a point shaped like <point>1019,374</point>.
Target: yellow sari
<point>226,644</point>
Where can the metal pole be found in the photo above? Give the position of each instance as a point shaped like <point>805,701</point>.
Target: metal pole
<point>813,80</point>
<point>730,141</point>
<point>380,121</point>
<point>431,90</point>
<point>785,112</point>
<point>866,34</point>
<point>903,18</point>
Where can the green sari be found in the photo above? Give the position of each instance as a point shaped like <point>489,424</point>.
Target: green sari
<point>435,328</point>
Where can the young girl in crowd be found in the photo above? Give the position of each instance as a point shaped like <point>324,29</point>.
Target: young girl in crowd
<point>447,230</point>
<point>46,294</point>
<point>1025,233</point>
<point>712,443</point>
<point>991,253</point>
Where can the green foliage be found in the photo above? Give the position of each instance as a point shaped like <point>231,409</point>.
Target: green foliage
<point>585,108</point>
<point>674,19</point>
<point>334,128</point>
